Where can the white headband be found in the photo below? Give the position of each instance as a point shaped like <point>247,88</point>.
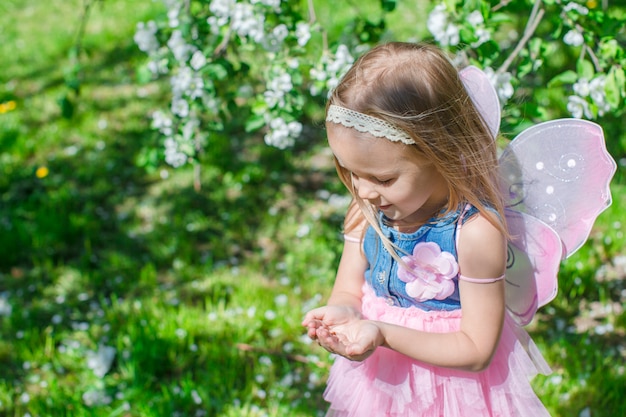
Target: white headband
<point>367,124</point>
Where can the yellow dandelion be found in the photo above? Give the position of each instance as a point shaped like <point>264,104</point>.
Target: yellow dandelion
<point>592,4</point>
<point>42,172</point>
<point>7,106</point>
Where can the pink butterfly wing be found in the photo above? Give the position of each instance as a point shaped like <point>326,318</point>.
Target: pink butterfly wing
<point>559,172</point>
<point>483,96</point>
<point>555,179</point>
<point>532,266</point>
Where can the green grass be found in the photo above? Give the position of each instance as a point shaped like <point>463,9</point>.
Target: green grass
<point>200,293</point>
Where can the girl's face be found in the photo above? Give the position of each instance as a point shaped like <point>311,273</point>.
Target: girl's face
<point>407,189</point>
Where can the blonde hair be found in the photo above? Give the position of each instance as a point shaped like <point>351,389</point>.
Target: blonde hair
<point>416,88</point>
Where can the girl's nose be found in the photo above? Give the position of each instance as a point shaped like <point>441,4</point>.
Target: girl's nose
<point>366,190</point>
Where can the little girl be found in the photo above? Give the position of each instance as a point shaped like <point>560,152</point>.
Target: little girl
<point>417,312</point>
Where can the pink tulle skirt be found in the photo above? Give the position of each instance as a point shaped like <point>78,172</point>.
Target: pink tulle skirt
<point>389,384</point>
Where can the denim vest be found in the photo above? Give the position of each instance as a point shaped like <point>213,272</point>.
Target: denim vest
<point>382,271</point>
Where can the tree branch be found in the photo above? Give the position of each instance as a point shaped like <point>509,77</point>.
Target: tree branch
<point>312,17</point>
<point>533,21</point>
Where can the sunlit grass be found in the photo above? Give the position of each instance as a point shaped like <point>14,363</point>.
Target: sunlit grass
<point>125,292</point>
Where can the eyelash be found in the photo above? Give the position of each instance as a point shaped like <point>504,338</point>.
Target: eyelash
<point>380,182</point>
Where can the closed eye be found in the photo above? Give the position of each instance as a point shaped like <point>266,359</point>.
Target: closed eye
<point>378,181</point>
<point>383,182</point>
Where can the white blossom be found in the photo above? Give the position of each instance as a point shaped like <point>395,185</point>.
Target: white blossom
<point>342,62</point>
<point>173,156</point>
<point>330,69</point>
<point>274,40</point>
<point>281,300</point>
<point>437,19</point>
<point>593,90</point>
<point>502,84</point>
<point>5,306</point>
<point>96,397</point>
<point>246,22</point>
<point>303,33</point>
<point>282,134</point>
<point>303,230</point>
<point>578,107</point>
<point>277,88</point>
<point>273,98</point>
<point>577,7</point>
<point>181,81</point>
<point>475,18</point>
<point>100,362</point>
<point>573,38</point>
<point>196,397</point>
<point>581,87</point>
<point>198,60</point>
<point>180,107</point>
<point>598,94</point>
<point>483,36</point>
<point>451,36</point>
<point>179,47</point>
<point>172,16</point>
<point>215,23</point>
<point>444,32</point>
<point>162,122</point>
<point>145,37</point>
<point>210,103</point>
<point>196,89</point>
<point>188,83</point>
<point>274,4</point>
<point>222,8</point>
<point>158,66</point>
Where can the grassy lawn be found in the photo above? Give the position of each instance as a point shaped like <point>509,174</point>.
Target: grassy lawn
<point>125,292</point>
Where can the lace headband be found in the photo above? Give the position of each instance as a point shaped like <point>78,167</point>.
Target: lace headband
<point>367,124</point>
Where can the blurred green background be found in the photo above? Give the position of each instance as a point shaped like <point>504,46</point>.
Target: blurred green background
<point>126,292</point>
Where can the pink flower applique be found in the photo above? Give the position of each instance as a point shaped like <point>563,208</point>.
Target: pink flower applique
<point>430,272</point>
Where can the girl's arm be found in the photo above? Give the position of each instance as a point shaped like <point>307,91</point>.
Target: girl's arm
<point>344,304</point>
<point>482,254</point>
<point>347,290</point>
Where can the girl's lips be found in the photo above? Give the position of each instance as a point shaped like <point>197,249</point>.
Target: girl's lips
<point>385,207</point>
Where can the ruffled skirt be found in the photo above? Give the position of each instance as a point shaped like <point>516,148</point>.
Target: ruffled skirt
<point>389,384</point>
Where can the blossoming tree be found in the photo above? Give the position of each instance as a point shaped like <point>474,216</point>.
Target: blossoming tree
<point>237,67</point>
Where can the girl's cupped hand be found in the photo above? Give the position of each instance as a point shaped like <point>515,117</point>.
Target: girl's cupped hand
<point>328,317</point>
<point>340,330</point>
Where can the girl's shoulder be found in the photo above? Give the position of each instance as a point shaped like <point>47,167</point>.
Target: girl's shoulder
<point>481,247</point>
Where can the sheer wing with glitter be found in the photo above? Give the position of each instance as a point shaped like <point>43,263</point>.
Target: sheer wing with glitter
<point>555,180</point>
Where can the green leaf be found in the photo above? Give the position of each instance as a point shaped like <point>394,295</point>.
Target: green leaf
<point>499,18</point>
<point>254,123</point>
<point>259,107</point>
<point>467,35</point>
<point>143,75</point>
<point>614,86</point>
<point>567,77</point>
<point>67,107</point>
<point>148,159</point>
<point>217,71</point>
<point>524,68</point>
<point>585,69</point>
<point>388,5</point>
<point>609,48</point>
